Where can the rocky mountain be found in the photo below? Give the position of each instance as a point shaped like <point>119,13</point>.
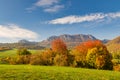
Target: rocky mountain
<point>70,40</point>
<point>105,41</point>
<point>114,45</point>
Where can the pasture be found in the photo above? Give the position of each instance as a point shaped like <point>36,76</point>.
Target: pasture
<point>29,72</point>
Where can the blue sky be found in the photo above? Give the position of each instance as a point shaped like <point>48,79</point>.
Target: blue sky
<point>39,19</point>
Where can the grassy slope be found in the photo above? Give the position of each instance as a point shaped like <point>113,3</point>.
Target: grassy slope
<point>28,72</point>
<point>13,53</point>
<point>7,53</point>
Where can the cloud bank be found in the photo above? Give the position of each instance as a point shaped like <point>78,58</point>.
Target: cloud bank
<point>85,18</point>
<point>47,5</point>
<point>13,31</point>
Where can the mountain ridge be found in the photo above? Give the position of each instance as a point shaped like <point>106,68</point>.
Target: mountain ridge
<point>70,40</point>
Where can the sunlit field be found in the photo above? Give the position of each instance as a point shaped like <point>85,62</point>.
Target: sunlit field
<point>11,53</point>
<point>28,72</point>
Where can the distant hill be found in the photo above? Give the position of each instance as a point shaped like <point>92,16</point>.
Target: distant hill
<point>22,44</point>
<point>114,41</point>
<point>105,41</point>
<point>114,45</point>
<point>26,42</point>
<point>70,40</point>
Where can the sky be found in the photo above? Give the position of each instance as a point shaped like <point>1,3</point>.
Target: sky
<point>36,20</point>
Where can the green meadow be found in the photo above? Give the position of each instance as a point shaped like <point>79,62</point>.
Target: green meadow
<point>37,72</point>
<point>29,72</point>
<point>11,53</point>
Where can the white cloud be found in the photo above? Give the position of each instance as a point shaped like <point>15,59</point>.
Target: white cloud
<point>47,5</point>
<point>86,18</point>
<point>54,8</point>
<point>43,3</point>
<point>13,31</point>
<point>113,15</point>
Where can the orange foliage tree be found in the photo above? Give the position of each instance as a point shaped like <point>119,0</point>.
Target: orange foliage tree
<point>62,54</point>
<point>59,46</point>
<point>80,51</point>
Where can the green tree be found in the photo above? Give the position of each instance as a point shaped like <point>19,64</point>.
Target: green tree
<point>23,51</point>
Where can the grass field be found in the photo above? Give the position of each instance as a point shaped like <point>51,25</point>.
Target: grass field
<point>13,53</point>
<point>28,72</point>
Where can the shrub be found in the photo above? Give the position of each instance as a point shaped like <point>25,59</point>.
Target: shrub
<point>116,61</point>
<point>116,68</point>
<point>45,58</point>
<point>4,61</point>
<point>36,60</point>
<point>116,58</point>
<point>23,59</point>
<point>61,60</point>
<point>12,60</point>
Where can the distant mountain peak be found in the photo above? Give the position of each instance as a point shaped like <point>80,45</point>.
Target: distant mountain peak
<point>23,41</point>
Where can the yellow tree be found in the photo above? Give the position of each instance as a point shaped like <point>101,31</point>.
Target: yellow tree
<point>80,51</point>
<point>99,58</point>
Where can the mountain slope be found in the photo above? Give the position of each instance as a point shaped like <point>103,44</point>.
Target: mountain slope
<point>114,45</point>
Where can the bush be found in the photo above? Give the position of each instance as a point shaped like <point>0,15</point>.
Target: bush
<point>36,60</point>
<point>116,68</point>
<point>116,61</point>
<point>4,61</point>
<point>12,60</point>
<point>45,58</point>
<point>116,58</point>
<point>23,59</point>
<point>61,60</point>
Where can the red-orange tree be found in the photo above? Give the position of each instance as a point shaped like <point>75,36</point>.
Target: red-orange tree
<point>59,46</point>
<point>62,55</point>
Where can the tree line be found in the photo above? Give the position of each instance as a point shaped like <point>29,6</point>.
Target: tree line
<point>89,54</point>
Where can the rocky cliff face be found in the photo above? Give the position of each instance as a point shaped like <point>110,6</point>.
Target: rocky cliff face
<point>70,40</point>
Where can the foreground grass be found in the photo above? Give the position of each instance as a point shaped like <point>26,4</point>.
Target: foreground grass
<point>28,72</point>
